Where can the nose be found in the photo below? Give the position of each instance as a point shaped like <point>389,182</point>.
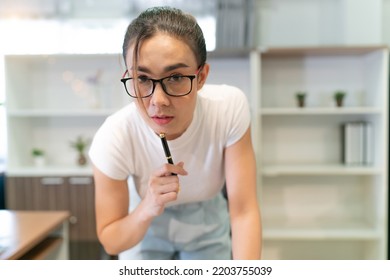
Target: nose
<point>159,98</point>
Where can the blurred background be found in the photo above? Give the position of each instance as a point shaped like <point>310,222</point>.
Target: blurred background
<point>60,64</point>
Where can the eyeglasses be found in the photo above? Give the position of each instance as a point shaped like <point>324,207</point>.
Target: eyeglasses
<point>174,85</point>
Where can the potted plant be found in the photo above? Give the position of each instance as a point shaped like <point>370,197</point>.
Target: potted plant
<point>339,98</point>
<point>38,156</point>
<point>300,96</point>
<point>80,145</point>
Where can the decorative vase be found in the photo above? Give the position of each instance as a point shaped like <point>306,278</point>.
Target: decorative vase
<point>300,97</point>
<point>82,159</point>
<point>39,161</point>
<point>339,102</point>
<point>301,102</point>
<point>339,97</point>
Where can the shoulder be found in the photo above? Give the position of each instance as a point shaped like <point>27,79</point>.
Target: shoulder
<point>221,92</point>
<point>116,129</point>
<point>111,147</point>
<point>224,98</point>
<point>226,108</point>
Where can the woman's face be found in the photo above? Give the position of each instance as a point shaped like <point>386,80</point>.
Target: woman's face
<point>160,56</point>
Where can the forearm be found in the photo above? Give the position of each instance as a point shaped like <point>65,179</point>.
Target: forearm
<point>246,236</point>
<point>119,230</point>
<point>124,233</point>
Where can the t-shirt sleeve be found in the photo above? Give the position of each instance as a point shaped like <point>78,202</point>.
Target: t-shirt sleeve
<point>238,115</point>
<point>108,151</point>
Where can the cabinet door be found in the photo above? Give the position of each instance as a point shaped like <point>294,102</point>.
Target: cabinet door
<point>36,193</point>
<point>81,204</point>
<point>15,193</point>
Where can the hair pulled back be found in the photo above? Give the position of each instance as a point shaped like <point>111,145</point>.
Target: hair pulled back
<point>171,21</point>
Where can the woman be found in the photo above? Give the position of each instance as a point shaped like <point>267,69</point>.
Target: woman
<point>147,208</point>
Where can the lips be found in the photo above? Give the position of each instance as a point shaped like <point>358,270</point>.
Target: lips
<point>162,120</point>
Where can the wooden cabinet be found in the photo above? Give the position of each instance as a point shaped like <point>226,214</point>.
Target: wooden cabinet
<point>75,194</point>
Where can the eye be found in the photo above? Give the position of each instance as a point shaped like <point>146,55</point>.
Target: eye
<point>143,79</point>
<point>175,79</point>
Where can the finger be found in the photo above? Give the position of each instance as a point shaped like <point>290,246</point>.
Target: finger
<point>154,205</point>
<point>168,197</point>
<point>167,169</point>
<point>160,185</point>
<point>171,187</point>
<point>164,194</point>
<point>182,170</point>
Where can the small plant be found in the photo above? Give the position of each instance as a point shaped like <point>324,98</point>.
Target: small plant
<point>339,97</point>
<point>80,145</point>
<point>37,152</point>
<point>301,98</point>
<point>38,157</point>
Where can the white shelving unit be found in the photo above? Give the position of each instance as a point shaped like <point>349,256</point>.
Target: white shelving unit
<point>51,99</point>
<point>314,206</point>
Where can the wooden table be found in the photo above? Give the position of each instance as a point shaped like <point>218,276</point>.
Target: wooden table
<point>34,235</point>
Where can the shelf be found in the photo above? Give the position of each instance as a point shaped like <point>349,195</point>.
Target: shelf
<point>49,171</point>
<point>306,235</point>
<point>326,230</point>
<point>323,50</point>
<point>318,169</point>
<point>320,111</point>
<point>60,113</point>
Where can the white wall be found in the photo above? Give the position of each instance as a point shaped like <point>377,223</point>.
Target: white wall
<point>386,21</point>
<point>3,135</point>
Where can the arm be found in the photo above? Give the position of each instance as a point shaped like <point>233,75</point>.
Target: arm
<point>119,230</point>
<point>240,169</point>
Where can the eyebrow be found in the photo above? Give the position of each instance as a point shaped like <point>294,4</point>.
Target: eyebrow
<point>166,69</point>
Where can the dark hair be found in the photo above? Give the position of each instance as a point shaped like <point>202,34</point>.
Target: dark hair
<point>171,21</point>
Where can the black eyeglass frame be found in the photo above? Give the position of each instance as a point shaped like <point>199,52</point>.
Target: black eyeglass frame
<point>160,81</point>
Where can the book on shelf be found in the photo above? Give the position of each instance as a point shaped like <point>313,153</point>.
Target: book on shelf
<point>357,143</point>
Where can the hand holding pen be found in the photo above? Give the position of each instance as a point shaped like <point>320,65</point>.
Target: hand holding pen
<point>163,187</point>
<point>168,153</point>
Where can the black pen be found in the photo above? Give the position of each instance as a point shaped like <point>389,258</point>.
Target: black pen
<point>166,149</point>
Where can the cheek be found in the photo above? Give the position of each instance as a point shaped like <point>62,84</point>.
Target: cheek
<point>142,103</point>
<point>142,106</point>
<point>187,109</point>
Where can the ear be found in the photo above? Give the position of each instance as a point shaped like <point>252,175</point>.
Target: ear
<point>202,76</point>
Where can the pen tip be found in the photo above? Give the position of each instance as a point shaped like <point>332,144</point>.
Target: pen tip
<point>162,135</point>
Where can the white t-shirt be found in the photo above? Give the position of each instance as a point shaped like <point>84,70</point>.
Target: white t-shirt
<point>125,147</point>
